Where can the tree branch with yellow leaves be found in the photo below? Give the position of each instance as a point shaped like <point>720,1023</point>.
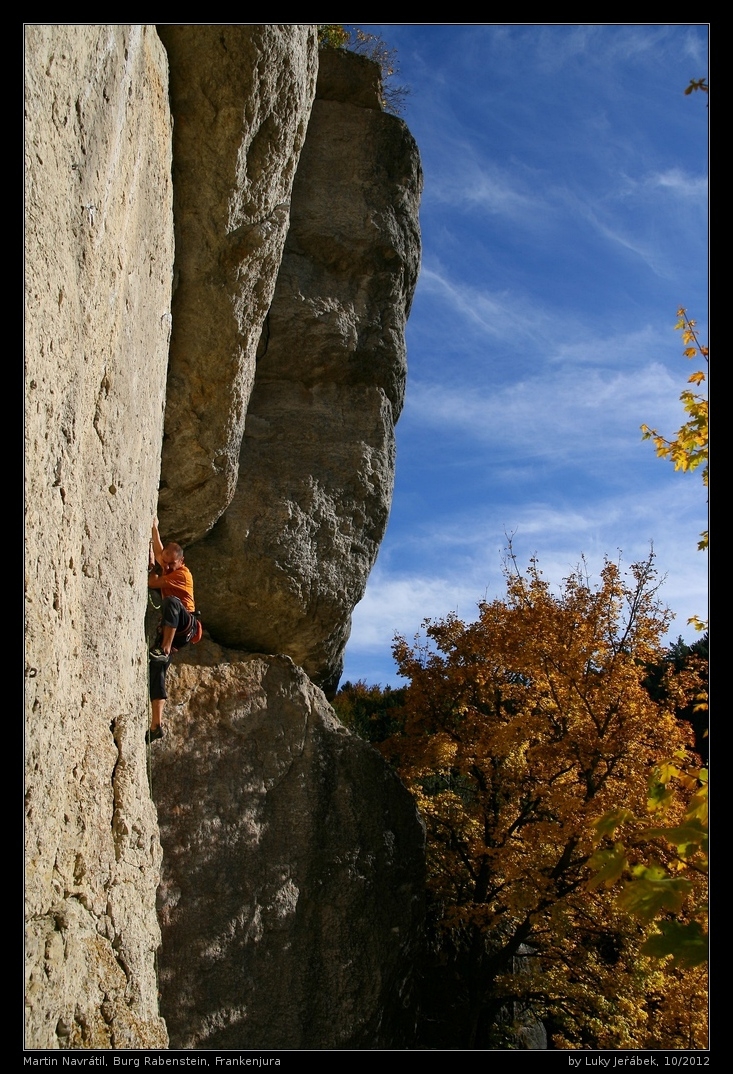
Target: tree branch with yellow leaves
<point>689,449</point>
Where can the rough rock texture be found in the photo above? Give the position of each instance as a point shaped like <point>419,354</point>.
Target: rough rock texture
<point>284,567</point>
<point>292,870</point>
<point>241,97</point>
<point>520,1020</point>
<point>293,857</point>
<point>99,255</point>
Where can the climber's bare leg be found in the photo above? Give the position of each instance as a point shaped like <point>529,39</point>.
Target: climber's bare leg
<point>169,632</point>
<point>157,707</point>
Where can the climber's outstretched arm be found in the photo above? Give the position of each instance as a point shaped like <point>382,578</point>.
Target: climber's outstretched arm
<point>157,543</point>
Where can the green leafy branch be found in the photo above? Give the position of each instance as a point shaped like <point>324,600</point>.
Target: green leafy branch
<point>665,893</point>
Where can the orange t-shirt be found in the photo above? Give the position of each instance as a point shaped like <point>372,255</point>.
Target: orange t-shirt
<point>179,583</point>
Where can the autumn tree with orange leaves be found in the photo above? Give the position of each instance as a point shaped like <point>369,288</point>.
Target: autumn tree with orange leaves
<point>519,730</point>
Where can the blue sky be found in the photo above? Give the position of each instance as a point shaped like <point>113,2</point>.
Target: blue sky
<point>564,221</point>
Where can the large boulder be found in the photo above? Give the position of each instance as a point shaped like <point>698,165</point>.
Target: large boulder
<point>284,567</point>
<point>292,886</point>
<point>99,257</point>
<point>241,97</point>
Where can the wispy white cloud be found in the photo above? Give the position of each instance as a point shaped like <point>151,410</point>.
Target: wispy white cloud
<point>654,216</point>
<point>499,314</point>
<point>617,231</point>
<point>601,48</point>
<point>586,416</point>
<point>554,50</point>
<point>467,564</point>
<point>394,604</point>
<point>532,332</point>
<point>628,349</point>
<point>693,46</point>
<point>680,183</point>
<point>467,183</point>
<point>477,306</point>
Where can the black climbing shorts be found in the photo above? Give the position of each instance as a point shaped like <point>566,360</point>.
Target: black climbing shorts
<point>173,614</point>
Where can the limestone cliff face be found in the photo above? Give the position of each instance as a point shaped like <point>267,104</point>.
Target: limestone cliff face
<point>99,248</point>
<point>291,858</point>
<point>241,97</point>
<point>285,566</point>
<point>292,868</point>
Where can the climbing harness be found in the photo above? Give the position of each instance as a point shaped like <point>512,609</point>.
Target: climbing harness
<point>195,631</point>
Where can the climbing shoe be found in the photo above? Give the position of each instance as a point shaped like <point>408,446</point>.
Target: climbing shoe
<point>151,736</point>
<point>159,657</point>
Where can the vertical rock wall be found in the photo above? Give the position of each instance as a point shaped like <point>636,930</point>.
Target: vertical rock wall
<point>293,857</point>
<point>241,98</point>
<point>284,567</point>
<point>99,254</point>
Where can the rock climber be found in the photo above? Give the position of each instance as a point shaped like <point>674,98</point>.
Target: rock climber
<point>178,625</point>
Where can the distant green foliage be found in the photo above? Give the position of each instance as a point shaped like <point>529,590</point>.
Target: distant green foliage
<point>371,712</point>
<point>689,663</point>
